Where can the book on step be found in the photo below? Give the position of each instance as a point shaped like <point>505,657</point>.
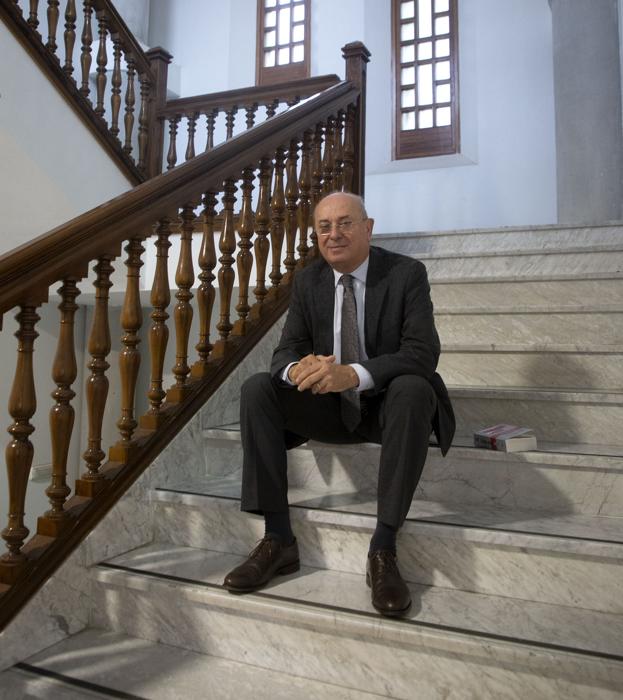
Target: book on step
<point>505,438</point>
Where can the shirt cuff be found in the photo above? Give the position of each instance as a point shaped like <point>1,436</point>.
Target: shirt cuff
<point>284,376</point>
<point>365,378</point>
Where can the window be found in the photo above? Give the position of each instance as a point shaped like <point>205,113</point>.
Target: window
<point>282,40</point>
<point>425,77</point>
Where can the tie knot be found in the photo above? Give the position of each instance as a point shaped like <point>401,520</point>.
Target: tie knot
<point>347,281</point>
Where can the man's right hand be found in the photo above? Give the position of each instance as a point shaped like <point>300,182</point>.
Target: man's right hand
<point>307,366</point>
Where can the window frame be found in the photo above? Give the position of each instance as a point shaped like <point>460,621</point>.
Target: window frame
<point>290,71</point>
<point>436,140</point>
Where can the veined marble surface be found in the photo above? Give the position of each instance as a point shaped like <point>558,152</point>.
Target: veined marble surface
<point>342,647</point>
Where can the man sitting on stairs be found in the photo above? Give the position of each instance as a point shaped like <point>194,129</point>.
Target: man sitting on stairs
<point>355,363</point>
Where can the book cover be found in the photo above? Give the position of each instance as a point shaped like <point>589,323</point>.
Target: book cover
<point>505,438</point>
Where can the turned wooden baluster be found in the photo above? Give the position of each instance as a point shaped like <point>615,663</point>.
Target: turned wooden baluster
<point>172,153</point>
<point>85,55</point>
<point>305,189</point>
<point>230,118</point>
<point>184,278</point>
<point>53,14</point>
<point>244,259</point>
<point>292,195</point>
<point>97,383</point>
<point>316,188</point>
<point>64,372</point>
<point>226,275</point>
<point>33,17</point>
<point>130,100</point>
<point>261,246</point>
<point>159,331</point>
<point>70,36</point>
<point>143,126</point>
<point>277,208</point>
<point>102,60</point>
<point>206,292</point>
<point>271,108</point>
<point>338,153</point>
<point>19,452</point>
<point>250,111</point>
<point>211,119</point>
<point>192,126</point>
<point>130,356</point>
<point>115,97</point>
<point>327,160</point>
<point>349,150</point>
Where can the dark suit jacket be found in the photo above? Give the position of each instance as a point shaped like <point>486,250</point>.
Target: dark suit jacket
<point>400,334</point>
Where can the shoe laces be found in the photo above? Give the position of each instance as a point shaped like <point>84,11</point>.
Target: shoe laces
<point>263,548</point>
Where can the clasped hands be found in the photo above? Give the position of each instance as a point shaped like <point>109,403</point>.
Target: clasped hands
<point>322,375</point>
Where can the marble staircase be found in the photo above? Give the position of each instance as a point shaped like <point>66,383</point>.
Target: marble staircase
<point>514,560</point>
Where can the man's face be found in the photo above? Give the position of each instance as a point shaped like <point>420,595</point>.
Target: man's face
<point>343,236</point>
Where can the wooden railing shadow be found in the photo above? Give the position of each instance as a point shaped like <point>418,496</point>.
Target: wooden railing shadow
<point>290,159</point>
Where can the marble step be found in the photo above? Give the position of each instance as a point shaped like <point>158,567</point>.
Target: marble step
<point>320,624</point>
<point>527,366</point>
<point>574,416</point>
<point>550,237</point>
<point>558,478</point>
<point>550,558</point>
<point>542,329</point>
<point>102,664</point>
<point>509,292</point>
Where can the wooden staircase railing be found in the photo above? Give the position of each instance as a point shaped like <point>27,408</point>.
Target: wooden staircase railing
<point>289,161</point>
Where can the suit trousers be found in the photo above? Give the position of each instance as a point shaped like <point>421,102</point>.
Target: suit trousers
<point>275,417</point>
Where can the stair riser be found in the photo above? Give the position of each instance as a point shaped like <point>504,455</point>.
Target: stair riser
<point>579,329</point>
<point>552,421</point>
<point>555,264</point>
<point>328,646</point>
<point>571,293</point>
<point>528,239</point>
<point>528,370</point>
<point>429,554</point>
<point>462,477</point>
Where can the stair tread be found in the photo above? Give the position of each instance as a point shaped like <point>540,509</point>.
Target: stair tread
<point>446,610</point>
<point>150,670</point>
<point>572,532</point>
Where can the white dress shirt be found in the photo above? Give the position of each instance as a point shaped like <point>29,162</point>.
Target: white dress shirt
<point>359,290</point>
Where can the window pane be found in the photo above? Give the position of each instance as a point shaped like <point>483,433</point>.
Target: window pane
<point>425,27</point>
<point>424,51</point>
<point>408,121</point>
<point>298,32</point>
<point>407,76</point>
<point>284,2</point>
<point>442,5</point>
<point>442,71</point>
<point>426,119</point>
<point>407,98</point>
<point>271,19</point>
<point>298,53</point>
<point>442,48</point>
<point>442,25</point>
<point>284,29</point>
<point>284,56</point>
<point>444,118</point>
<point>407,9</point>
<point>407,54</point>
<point>407,32</point>
<point>270,3</point>
<point>270,38</point>
<point>425,84</point>
<point>269,59</point>
<point>442,93</point>
<point>298,13</point>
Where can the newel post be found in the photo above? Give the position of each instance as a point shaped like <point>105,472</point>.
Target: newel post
<point>356,56</point>
<point>159,60</point>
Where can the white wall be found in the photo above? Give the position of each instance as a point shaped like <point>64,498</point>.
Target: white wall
<point>52,167</point>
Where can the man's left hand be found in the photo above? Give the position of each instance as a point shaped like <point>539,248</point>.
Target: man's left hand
<point>326,377</point>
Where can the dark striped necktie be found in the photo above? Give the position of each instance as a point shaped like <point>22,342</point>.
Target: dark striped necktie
<point>350,408</point>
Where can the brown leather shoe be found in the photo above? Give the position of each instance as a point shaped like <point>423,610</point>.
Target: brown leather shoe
<point>390,595</point>
<point>269,558</point>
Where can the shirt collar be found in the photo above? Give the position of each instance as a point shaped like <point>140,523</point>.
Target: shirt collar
<point>358,273</point>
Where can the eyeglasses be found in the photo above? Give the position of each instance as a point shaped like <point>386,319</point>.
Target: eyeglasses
<point>346,226</point>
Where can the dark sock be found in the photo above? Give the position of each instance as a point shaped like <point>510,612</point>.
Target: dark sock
<point>384,537</point>
<point>278,525</point>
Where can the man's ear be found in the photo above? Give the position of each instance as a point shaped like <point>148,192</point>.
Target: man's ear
<point>370,224</point>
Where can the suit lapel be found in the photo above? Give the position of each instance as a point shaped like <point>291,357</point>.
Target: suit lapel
<point>324,297</point>
<point>376,288</point>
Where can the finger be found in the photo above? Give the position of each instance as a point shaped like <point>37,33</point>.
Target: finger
<point>313,377</point>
